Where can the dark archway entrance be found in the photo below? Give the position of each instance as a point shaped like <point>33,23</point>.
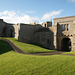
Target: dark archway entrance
<point>66,44</point>
<point>11,33</point>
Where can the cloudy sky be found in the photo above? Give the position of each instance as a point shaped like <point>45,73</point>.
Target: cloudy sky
<point>27,11</point>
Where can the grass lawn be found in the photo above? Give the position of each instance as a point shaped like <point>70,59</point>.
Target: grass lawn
<point>12,63</point>
<point>29,47</point>
<point>72,53</point>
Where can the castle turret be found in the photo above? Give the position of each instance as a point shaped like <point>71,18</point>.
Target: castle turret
<point>47,24</point>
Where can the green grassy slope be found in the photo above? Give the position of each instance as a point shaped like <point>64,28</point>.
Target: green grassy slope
<point>18,64</point>
<point>12,63</point>
<point>29,47</point>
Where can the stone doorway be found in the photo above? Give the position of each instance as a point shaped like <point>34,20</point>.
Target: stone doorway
<point>66,44</point>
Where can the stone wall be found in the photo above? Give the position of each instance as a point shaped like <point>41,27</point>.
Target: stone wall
<point>27,33</point>
<point>45,38</point>
<point>2,28</point>
<point>43,34</point>
<point>68,23</point>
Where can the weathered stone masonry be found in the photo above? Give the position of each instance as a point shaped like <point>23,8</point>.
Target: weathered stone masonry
<point>60,36</point>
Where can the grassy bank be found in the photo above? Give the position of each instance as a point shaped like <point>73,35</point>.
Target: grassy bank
<point>4,47</point>
<point>18,64</point>
<point>29,47</point>
<point>12,63</point>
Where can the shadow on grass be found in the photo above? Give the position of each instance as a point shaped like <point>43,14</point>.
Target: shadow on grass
<point>4,47</point>
<point>39,46</point>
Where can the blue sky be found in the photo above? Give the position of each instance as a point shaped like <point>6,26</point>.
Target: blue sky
<point>27,11</point>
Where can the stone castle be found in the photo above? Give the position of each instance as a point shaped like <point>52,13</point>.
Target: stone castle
<point>60,36</point>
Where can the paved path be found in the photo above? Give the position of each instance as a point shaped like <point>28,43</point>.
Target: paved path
<point>18,50</point>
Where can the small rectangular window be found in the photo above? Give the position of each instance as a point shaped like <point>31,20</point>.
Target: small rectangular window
<point>67,27</point>
<point>62,27</point>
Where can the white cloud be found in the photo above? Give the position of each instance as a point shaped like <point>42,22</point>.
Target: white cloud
<point>7,13</point>
<point>51,15</point>
<point>71,0</point>
<point>15,17</point>
<point>19,17</point>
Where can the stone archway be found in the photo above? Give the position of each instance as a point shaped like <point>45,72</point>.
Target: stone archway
<point>66,44</point>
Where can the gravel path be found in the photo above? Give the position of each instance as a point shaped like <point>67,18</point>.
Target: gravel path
<point>18,50</point>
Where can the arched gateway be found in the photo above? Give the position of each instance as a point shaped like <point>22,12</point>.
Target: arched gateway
<point>66,44</point>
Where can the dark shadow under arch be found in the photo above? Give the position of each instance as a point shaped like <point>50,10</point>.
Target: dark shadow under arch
<point>11,33</point>
<point>66,44</point>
